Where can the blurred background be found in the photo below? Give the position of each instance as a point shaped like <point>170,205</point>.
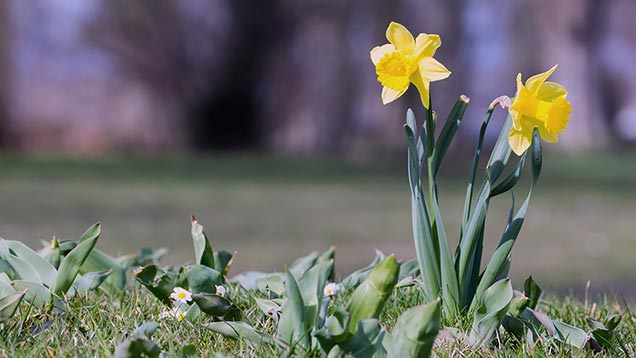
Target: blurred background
<point>264,119</point>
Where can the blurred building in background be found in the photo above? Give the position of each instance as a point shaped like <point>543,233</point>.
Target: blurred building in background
<point>291,76</point>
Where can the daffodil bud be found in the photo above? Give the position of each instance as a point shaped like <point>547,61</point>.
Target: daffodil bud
<point>369,298</point>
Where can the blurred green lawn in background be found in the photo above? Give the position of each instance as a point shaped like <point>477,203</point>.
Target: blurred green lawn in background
<point>580,226</point>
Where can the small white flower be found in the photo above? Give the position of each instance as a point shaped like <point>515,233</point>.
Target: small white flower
<point>165,314</point>
<point>331,289</point>
<point>178,314</point>
<point>180,295</point>
<point>220,290</point>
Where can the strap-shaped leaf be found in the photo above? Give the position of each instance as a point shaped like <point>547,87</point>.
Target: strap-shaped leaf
<point>202,279</point>
<point>510,180</point>
<point>70,265</point>
<point>36,294</point>
<point>28,264</point>
<point>87,282</point>
<point>450,287</point>
<point>99,261</point>
<point>291,326</point>
<point>502,254</point>
<point>203,254</point>
<point>240,330</point>
<point>9,304</point>
<point>415,330</point>
<point>448,132</point>
<point>426,247</point>
<point>311,287</point>
<point>491,311</point>
<point>473,168</point>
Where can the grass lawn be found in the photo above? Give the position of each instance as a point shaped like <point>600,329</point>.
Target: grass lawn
<point>580,225</point>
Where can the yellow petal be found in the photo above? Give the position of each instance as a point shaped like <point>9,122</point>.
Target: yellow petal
<point>389,95</point>
<point>432,70</point>
<point>519,84</point>
<point>422,85</point>
<point>550,91</point>
<point>379,51</point>
<point>400,37</point>
<point>534,83</point>
<point>519,140</point>
<point>559,116</point>
<point>425,45</point>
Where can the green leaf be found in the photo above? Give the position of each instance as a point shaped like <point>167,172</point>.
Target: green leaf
<point>37,294</point>
<point>448,132</point>
<point>366,342</point>
<point>99,261</point>
<point>491,311</point>
<point>415,330</point>
<point>311,286</point>
<point>612,321</point>
<point>202,279</point>
<point>292,327</point>
<point>9,304</point>
<point>145,330</point>
<point>157,281</point>
<point>28,265</point>
<point>302,264</point>
<point>502,254</point>
<point>203,253</point>
<point>269,307</point>
<point>240,330</point>
<point>70,265</point>
<point>216,306</point>
<point>355,278</point>
<point>532,291</point>
<point>510,180</point>
<point>137,348</point>
<point>450,287</point>
<point>370,297</point>
<point>473,170</point>
<point>569,334</point>
<point>89,281</point>
<point>223,261</point>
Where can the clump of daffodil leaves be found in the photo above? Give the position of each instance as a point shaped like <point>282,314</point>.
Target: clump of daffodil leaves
<point>540,109</point>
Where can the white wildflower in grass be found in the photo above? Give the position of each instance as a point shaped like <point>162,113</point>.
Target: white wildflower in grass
<point>331,289</point>
<point>180,295</point>
<point>220,290</point>
<point>165,314</point>
<point>173,313</point>
<point>178,314</point>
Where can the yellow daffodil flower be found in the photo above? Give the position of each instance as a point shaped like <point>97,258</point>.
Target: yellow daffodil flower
<point>406,60</point>
<point>538,104</point>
